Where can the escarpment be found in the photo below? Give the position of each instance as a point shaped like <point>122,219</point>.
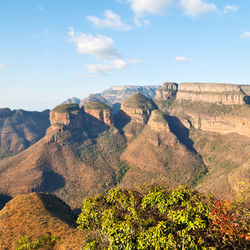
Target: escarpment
<point>228,94</point>
<point>100,111</point>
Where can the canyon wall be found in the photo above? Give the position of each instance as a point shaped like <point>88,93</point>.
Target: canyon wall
<point>228,94</point>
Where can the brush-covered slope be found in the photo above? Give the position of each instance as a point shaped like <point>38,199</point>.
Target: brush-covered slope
<point>157,153</point>
<point>219,132</point>
<point>19,129</point>
<point>35,214</point>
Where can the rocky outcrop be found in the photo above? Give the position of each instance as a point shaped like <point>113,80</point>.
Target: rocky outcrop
<point>228,94</point>
<point>138,107</point>
<point>66,120</point>
<point>69,119</point>
<point>157,122</point>
<point>100,111</point>
<point>167,91</point>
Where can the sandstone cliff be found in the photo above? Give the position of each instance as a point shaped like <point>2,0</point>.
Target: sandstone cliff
<point>167,91</point>
<point>100,111</point>
<point>228,94</point>
<point>66,123</point>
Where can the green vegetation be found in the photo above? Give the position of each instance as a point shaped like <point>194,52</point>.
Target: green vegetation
<point>206,108</point>
<point>155,217</point>
<point>139,101</point>
<point>47,241</point>
<point>65,108</point>
<point>97,106</point>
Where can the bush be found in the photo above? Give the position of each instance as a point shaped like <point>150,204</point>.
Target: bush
<point>155,217</point>
<point>47,241</point>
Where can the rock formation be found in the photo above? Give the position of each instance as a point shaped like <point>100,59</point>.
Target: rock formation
<point>228,94</point>
<point>167,91</point>
<point>100,111</point>
<point>138,107</point>
<point>66,121</point>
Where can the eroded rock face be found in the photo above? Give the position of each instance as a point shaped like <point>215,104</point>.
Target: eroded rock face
<point>100,111</point>
<point>138,107</point>
<point>157,122</point>
<point>67,122</point>
<point>228,94</point>
<point>167,91</point>
<point>224,124</point>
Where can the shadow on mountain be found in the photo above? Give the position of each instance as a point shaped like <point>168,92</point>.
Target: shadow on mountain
<point>94,126</point>
<point>4,199</point>
<point>51,182</point>
<point>181,132</point>
<point>58,208</point>
<point>247,99</point>
<point>121,119</point>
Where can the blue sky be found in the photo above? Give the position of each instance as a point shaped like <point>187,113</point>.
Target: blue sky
<point>51,50</point>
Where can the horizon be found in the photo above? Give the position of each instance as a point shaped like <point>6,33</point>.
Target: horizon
<point>52,51</point>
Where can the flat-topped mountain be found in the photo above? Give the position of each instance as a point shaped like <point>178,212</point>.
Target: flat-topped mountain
<point>19,129</point>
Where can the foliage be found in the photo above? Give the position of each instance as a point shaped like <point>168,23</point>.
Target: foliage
<point>47,241</point>
<point>155,217</point>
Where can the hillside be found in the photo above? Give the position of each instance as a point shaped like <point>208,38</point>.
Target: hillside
<point>35,214</point>
<point>19,129</point>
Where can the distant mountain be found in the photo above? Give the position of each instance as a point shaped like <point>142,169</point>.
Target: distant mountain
<point>117,94</point>
<point>72,100</point>
<point>19,129</point>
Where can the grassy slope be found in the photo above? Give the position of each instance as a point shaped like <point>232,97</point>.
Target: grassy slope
<point>33,215</point>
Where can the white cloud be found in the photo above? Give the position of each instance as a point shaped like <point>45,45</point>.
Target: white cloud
<point>103,68</point>
<point>111,20</point>
<point>230,9</point>
<point>2,65</point>
<point>149,6</point>
<point>99,46</point>
<point>134,61</point>
<point>182,59</point>
<point>197,7</point>
<point>245,35</point>
<point>141,22</point>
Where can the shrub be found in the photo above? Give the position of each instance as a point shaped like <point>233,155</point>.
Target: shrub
<point>155,217</point>
<point>46,241</point>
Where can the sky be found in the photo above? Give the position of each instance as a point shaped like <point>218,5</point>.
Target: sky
<point>51,50</point>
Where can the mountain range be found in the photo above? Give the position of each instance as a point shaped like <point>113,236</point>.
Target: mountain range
<point>190,133</point>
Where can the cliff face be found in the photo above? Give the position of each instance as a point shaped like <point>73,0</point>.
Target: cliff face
<point>167,91</point>
<point>228,94</point>
<point>19,129</point>
<point>138,107</point>
<point>224,124</point>
<point>99,111</point>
